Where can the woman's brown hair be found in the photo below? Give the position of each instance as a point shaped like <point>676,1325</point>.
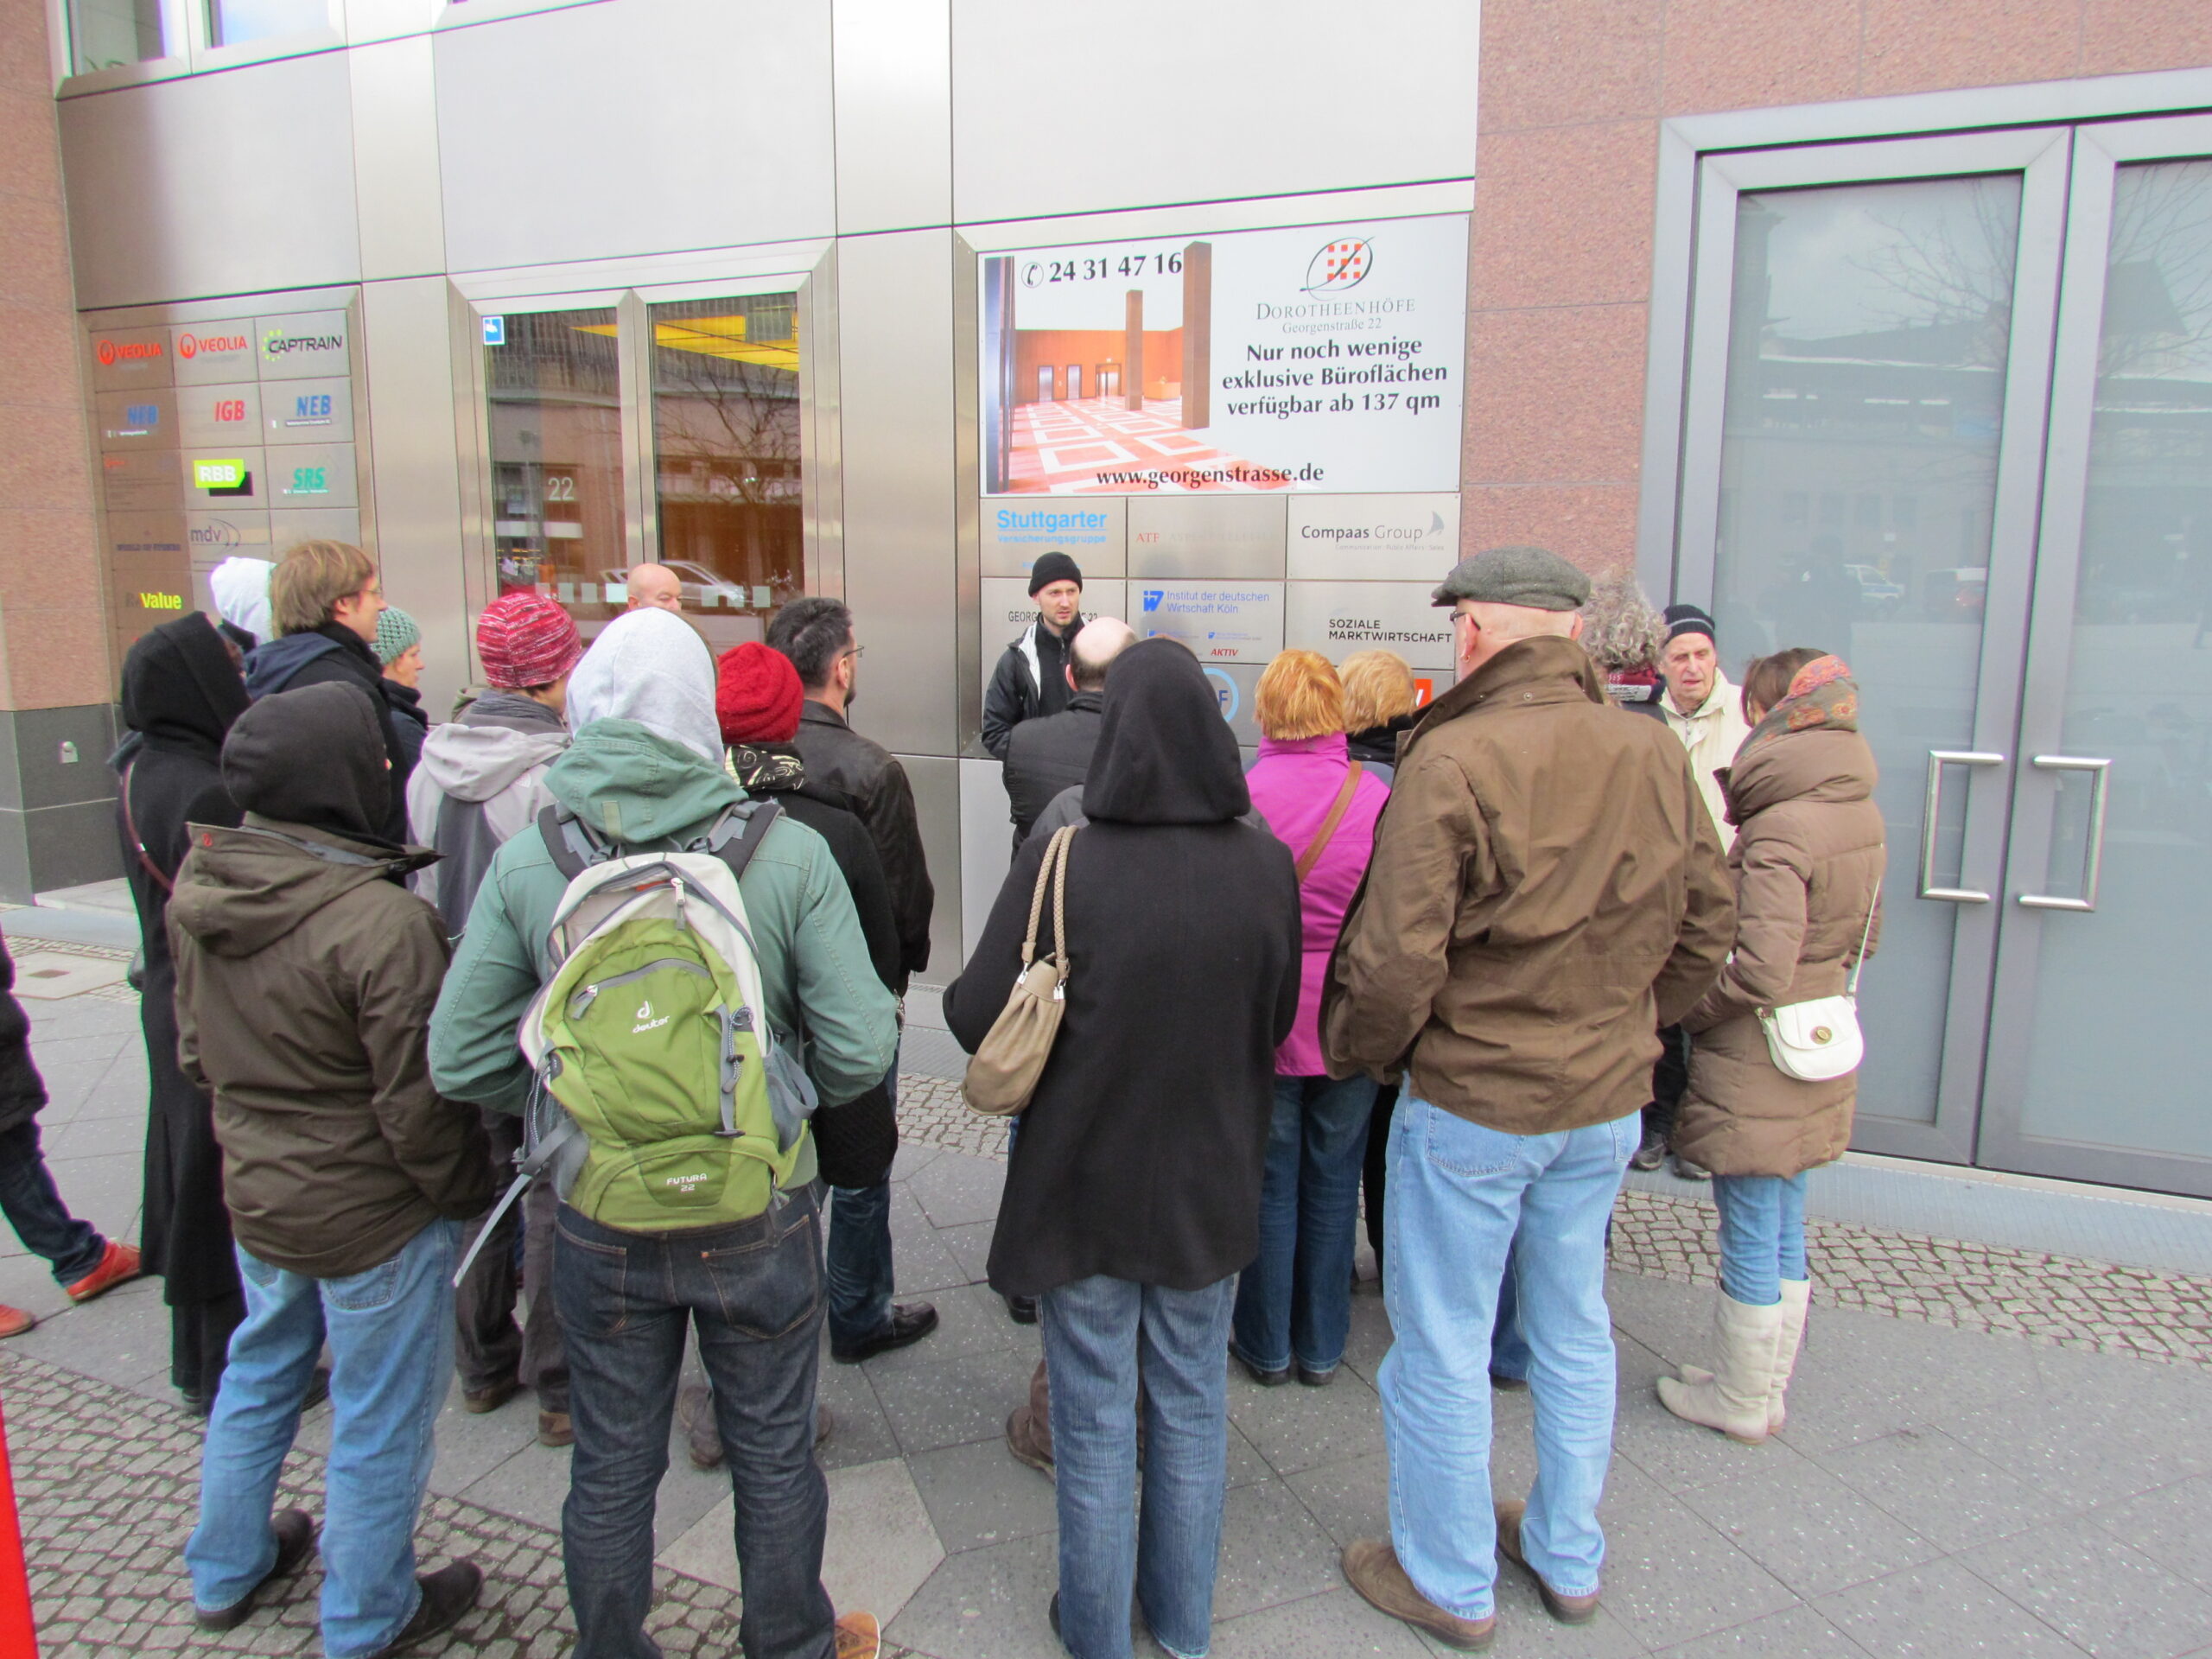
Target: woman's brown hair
<point>1766,681</point>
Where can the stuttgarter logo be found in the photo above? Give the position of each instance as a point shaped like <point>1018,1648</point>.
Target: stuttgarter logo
<point>1339,265</point>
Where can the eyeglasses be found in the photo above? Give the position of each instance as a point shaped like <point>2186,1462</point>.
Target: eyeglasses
<point>855,652</point>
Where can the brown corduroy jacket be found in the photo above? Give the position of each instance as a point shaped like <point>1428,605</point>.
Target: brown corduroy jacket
<point>1807,863</point>
<point>1547,891</point>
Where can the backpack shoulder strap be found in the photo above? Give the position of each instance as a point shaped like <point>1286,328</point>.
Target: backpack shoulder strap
<point>737,835</point>
<point>572,848</point>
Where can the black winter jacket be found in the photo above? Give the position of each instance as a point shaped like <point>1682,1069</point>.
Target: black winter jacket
<point>1140,1155</point>
<point>335,654</point>
<point>848,770</point>
<point>1044,757</point>
<point>1028,683</point>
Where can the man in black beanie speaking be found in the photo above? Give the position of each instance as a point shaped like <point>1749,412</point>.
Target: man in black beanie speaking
<point>1030,681</point>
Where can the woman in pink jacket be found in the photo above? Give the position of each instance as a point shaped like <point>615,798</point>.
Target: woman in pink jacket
<point>1294,1305</point>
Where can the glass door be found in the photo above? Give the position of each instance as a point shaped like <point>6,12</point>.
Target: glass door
<point>1863,433</point>
<point>2095,1066</point>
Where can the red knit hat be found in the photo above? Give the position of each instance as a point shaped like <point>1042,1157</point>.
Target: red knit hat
<point>757,696</point>
<point>526,639</point>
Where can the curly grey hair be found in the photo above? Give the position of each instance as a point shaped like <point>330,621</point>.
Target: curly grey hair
<point>1621,630</point>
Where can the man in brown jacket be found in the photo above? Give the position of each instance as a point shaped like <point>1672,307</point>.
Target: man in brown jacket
<point>1547,891</point>
<point>305,978</point>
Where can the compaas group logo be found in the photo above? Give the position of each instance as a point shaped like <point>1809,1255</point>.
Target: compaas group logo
<point>1339,265</point>
<point>190,346</point>
<point>110,352</point>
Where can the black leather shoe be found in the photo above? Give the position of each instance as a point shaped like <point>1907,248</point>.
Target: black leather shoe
<point>448,1595</point>
<point>1317,1379</point>
<point>295,1533</point>
<point>909,1323</point>
<point>318,1388</point>
<point>1022,1310</point>
<point>1650,1153</point>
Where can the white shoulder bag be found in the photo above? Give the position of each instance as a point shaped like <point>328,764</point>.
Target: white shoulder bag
<point>1816,1040</point>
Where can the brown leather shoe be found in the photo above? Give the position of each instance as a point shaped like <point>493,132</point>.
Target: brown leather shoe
<point>1371,1568</point>
<point>490,1397</point>
<point>553,1428</point>
<point>1568,1609</point>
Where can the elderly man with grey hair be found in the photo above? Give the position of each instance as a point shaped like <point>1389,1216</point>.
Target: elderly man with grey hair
<point>1547,891</point>
<point>1044,757</point>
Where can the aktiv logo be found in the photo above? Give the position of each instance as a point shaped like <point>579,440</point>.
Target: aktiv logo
<point>1339,265</point>
<point>110,352</point>
<point>277,343</point>
<point>190,346</point>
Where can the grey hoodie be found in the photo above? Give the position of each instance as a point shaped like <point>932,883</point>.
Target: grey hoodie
<point>481,779</point>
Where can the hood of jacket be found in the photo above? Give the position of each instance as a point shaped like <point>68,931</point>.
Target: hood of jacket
<point>649,668</point>
<point>180,690</point>
<point>273,662</point>
<point>631,785</point>
<point>1165,754</point>
<point>240,588</point>
<point>474,763</point>
<point>1819,764</point>
<point>254,885</point>
<point>314,756</point>
<point>512,710</point>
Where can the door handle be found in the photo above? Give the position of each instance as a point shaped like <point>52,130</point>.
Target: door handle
<point>1937,759</point>
<point>2093,859</point>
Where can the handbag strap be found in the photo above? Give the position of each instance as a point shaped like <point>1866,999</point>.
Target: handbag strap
<point>1338,808</point>
<point>1052,873</point>
<point>138,841</point>
<point>1865,933</point>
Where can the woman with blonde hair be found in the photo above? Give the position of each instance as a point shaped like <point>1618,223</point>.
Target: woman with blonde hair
<point>1381,703</point>
<point>1293,1303</point>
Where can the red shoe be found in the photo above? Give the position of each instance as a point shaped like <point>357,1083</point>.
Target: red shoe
<point>14,1321</point>
<point>858,1636</point>
<point>117,1267</point>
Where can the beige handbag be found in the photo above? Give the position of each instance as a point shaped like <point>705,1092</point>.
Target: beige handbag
<point>1002,1072</point>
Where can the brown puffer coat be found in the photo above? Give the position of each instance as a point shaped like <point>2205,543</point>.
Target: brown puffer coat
<point>1807,861</point>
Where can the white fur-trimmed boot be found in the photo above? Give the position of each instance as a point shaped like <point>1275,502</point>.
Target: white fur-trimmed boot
<point>1733,1397</point>
<point>1796,1297</point>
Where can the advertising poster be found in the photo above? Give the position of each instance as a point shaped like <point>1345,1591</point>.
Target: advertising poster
<point>1327,357</point>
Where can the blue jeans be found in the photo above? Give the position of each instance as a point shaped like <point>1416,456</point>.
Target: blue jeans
<point>390,1332</point>
<point>860,1263</point>
<point>1762,1234</point>
<point>1294,1301</point>
<point>754,1291</point>
<point>1459,1194</point>
<point>1097,1333</point>
<point>34,1209</point>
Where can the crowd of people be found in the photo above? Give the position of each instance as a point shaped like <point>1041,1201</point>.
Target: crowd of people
<point>630,936</point>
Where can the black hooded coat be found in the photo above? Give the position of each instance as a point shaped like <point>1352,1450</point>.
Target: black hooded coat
<point>1140,1155</point>
<point>181,692</point>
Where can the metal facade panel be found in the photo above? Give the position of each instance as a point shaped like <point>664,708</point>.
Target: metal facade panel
<point>635,129</point>
<point>895,381</point>
<point>936,779</point>
<point>396,158</point>
<point>985,848</point>
<point>213,184</point>
<point>894,113</point>
<point>407,356</point>
<point>1257,88</point>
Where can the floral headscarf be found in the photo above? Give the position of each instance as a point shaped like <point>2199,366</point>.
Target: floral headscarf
<point>1822,693</point>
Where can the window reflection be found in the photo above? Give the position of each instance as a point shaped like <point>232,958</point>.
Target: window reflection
<point>725,435</point>
<point>556,460</point>
<point>108,34</point>
<point>234,22</point>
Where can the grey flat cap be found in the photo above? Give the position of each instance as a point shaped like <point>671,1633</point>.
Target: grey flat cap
<point>1528,576</point>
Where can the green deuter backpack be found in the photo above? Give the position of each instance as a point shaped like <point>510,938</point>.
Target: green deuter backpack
<point>662,1097</point>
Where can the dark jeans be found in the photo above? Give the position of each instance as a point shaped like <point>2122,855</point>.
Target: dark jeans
<point>860,1263</point>
<point>34,1209</point>
<point>1294,1301</point>
<point>754,1291</point>
<point>1374,1175</point>
<point>489,1348</point>
<point>1671,1079</point>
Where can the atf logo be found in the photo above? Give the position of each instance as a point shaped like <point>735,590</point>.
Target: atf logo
<point>1152,597</point>
<point>190,346</point>
<point>111,352</point>
<point>1339,265</point>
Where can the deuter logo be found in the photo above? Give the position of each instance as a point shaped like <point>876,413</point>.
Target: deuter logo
<point>645,1020</point>
<point>277,343</point>
<point>1339,265</point>
<point>111,352</point>
<point>190,346</point>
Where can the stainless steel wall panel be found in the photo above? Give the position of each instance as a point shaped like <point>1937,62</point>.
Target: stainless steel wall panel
<point>389,20</point>
<point>1207,535</point>
<point>1226,622</point>
<point>213,184</point>
<point>396,183</point>
<point>986,849</point>
<point>895,380</point>
<point>305,411</point>
<point>1338,617</point>
<point>822,494</point>
<point>634,129</point>
<point>210,417</point>
<point>936,803</point>
<point>894,113</point>
<point>1277,96</point>
<point>408,362</point>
